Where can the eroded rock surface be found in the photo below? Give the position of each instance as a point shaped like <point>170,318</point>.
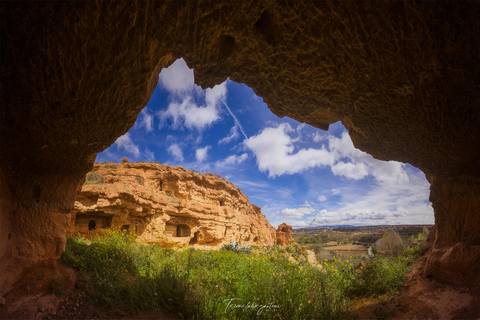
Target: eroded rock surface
<point>284,234</point>
<point>455,253</point>
<point>168,206</point>
<point>402,76</point>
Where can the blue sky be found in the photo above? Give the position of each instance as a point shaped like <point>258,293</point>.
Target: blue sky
<point>296,173</point>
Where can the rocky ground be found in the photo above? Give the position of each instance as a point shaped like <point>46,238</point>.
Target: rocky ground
<point>423,298</point>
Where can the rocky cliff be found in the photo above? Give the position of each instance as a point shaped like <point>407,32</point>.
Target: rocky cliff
<point>168,206</point>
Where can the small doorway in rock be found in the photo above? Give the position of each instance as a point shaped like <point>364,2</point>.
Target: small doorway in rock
<point>195,238</point>
<point>92,225</point>
<point>183,230</point>
<point>125,228</point>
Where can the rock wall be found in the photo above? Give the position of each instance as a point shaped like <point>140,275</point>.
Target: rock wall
<point>402,76</point>
<point>456,202</point>
<point>284,234</point>
<point>168,206</point>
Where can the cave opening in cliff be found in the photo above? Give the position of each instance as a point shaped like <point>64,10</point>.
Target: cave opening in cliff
<point>295,172</point>
<point>177,230</point>
<point>405,87</point>
<point>92,225</point>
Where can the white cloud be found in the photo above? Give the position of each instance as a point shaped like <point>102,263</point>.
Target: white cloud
<point>146,119</point>
<point>184,110</point>
<point>216,95</point>
<point>201,153</point>
<point>321,198</point>
<point>125,142</point>
<point>360,164</point>
<point>149,155</point>
<point>273,148</point>
<point>335,191</point>
<point>232,160</point>
<point>231,137</point>
<point>317,137</point>
<point>176,151</point>
<point>401,203</point>
<point>297,213</point>
<point>189,114</point>
<point>177,78</point>
<point>350,170</point>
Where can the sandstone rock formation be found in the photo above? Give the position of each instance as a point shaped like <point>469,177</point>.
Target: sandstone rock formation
<point>168,206</point>
<point>284,234</point>
<point>402,76</point>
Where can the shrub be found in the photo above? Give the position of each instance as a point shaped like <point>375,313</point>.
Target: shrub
<point>380,276</point>
<point>317,248</point>
<point>140,180</point>
<point>56,287</point>
<point>391,243</point>
<point>94,177</point>
<point>236,247</point>
<point>383,275</point>
<point>124,160</point>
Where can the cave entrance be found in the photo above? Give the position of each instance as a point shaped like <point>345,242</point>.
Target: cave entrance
<point>180,230</point>
<point>194,240</point>
<point>92,225</point>
<point>328,174</point>
<point>93,221</point>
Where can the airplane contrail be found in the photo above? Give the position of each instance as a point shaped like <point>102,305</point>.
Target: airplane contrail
<point>235,119</point>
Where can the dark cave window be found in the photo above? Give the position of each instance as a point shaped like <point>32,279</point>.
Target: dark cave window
<point>92,225</point>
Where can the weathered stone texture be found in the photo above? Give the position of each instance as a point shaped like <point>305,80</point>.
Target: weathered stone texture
<point>284,234</point>
<point>402,76</point>
<point>456,202</point>
<point>169,206</point>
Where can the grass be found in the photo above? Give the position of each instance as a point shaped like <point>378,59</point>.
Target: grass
<point>265,284</point>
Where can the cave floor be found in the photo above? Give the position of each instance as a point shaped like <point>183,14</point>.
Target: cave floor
<point>422,298</point>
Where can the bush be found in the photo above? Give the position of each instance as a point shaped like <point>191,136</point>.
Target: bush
<point>317,248</point>
<point>391,243</point>
<point>140,180</point>
<point>124,160</point>
<point>383,275</point>
<point>94,177</point>
<point>236,247</point>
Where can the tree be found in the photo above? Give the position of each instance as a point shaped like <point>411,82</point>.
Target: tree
<point>391,243</point>
<point>124,160</point>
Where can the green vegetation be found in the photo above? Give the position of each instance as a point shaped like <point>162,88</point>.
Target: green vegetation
<point>140,180</point>
<point>94,177</point>
<point>56,287</point>
<point>311,239</point>
<point>383,275</point>
<point>268,283</point>
<point>236,247</point>
<point>391,243</point>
